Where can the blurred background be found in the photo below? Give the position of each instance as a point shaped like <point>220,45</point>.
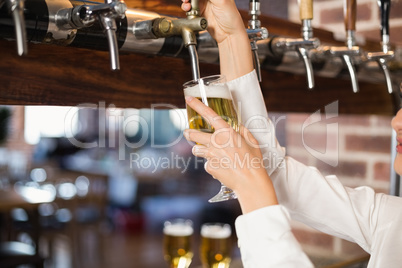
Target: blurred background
<point>115,175</point>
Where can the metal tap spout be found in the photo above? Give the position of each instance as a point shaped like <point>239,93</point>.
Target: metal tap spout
<point>186,28</point>
<point>303,45</point>
<point>107,14</point>
<point>347,55</point>
<point>281,45</point>
<point>255,33</point>
<point>189,38</point>
<point>386,54</point>
<point>16,8</point>
<point>382,58</point>
<point>350,51</point>
<point>86,15</point>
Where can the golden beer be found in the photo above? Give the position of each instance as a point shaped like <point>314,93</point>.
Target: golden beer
<point>218,98</point>
<point>223,107</point>
<point>177,243</point>
<point>216,245</point>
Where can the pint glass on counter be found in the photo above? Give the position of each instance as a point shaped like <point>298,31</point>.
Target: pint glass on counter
<point>213,92</point>
<point>177,242</point>
<point>216,245</point>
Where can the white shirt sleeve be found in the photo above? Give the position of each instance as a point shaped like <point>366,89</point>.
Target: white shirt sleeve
<point>250,105</point>
<point>359,215</point>
<point>265,240</point>
<point>265,237</point>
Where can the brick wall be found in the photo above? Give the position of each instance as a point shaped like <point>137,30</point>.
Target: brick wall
<point>361,144</point>
<point>360,148</point>
<point>328,14</point>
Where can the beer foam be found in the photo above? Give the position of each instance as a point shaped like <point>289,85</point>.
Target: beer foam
<point>213,91</point>
<point>179,229</point>
<point>216,231</point>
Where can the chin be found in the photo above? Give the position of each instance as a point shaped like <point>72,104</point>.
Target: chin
<point>398,164</point>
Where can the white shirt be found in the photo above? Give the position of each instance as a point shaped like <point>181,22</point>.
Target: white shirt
<point>374,221</point>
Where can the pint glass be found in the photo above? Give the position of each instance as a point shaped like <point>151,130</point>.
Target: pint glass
<point>213,92</point>
<point>216,246</point>
<point>177,242</point>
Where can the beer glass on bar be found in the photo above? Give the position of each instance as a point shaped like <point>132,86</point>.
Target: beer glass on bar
<point>177,242</point>
<point>213,92</point>
<point>216,245</point>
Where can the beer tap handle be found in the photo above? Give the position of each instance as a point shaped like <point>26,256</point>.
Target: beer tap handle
<point>306,16</point>
<point>385,6</point>
<point>348,61</point>
<point>350,10</point>
<point>16,7</point>
<point>306,9</point>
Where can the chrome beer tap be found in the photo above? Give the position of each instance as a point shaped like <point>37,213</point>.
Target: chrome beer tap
<point>163,27</point>
<point>301,45</point>
<point>350,11</point>
<point>350,51</point>
<point>255,33</point>
<point>86,15</point>
<point>386,54</point>
<point>16,8</point>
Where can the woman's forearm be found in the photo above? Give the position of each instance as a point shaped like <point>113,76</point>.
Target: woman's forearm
<point>235,56</point>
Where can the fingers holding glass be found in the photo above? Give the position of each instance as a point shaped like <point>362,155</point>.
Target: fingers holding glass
<point>210,109</point>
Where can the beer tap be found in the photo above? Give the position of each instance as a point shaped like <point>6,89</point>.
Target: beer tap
<point>301,45</point>
<point>16,8</point>
<point>86,15</point>
<point>350,11</point>
<point>186,28</point>
<point>350,51</point>
<point>256,32</point>
<point>383,56</point>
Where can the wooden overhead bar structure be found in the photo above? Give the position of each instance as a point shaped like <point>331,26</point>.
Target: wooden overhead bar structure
<point>68,76</point>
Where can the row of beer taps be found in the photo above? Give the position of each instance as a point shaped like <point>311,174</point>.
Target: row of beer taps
<point>308,47</point>
<point>76,16</point>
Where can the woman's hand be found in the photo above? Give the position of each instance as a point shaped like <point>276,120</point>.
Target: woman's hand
<point>233,158</point>
<point>223,17</point>
<point>226,26</point>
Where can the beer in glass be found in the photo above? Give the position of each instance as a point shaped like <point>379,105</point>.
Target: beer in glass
<point>216,245</point>
<point>213,92</point>
<point>177,242</point>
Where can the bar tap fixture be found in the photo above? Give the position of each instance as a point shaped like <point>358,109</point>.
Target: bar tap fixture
<point>350,11</point>
<point>16,8</point>
<point>301,45</point>
<point>85,16</point>
<point>255,33</point>
<point>187,28</point>
<point>349,52</point>
<point>386,54</point>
